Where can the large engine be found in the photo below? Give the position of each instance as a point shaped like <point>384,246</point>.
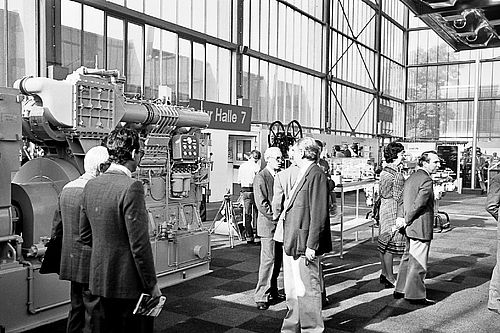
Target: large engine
<point>67,118</point>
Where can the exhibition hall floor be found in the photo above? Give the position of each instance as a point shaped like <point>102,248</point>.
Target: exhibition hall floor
<point>460,265</point>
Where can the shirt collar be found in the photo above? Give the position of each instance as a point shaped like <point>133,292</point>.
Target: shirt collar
<point>121,168</point>
<point>306,165</point>
<point>272,171</point>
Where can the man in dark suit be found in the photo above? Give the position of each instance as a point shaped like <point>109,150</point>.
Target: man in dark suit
<point>418,203</point>
<point>75,257</point>
<point>115,223</point>
<point>306,236</point>
<point>271,252</point>
<point>492,205</point>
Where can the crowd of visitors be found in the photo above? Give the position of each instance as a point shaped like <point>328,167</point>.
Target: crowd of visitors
<point>108,258</point>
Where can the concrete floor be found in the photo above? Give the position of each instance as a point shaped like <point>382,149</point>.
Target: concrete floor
<point>460,265</point>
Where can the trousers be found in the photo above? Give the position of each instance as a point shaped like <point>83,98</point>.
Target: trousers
<point>494,290</point>
<point>82,306</point>
<point>271,258</point>
<point>249,208</point>
<point>413,269</point>
<point>303,295</point>
<point>114,315</point>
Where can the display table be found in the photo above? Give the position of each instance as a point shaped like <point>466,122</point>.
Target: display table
<point>358,223</point>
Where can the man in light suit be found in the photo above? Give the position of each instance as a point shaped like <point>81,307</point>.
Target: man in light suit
<point>418,203</point>
<point>306,236</point>
<point>492,205</point>
<point>75,257</point>
<point>271,252</point>
<point>115,223</point>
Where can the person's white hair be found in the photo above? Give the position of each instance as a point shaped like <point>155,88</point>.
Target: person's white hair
<point>94,158</point>
<point>271,152</point>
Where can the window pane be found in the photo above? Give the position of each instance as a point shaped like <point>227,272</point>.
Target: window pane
<point>115,43</point>
<point>212,71</point>
<point>135,57</point>
<point>224,76</point>
<point>71,25</point>
<point>272,93</point>
<point>273,27</point>
<point>254,89</point>
<point>136,5</point>
<point>281,30</point>
<point>169,10</point>
<point>22,40</point>
<point>152,7</point>
<point>3,47</point>
<point>184,70</point>
<point>198,71</point>
<point>255,25</point>
<point>169,62</point>
<point>184,13</point>
<point>93,37</point>
<point>264,26</point>
<point>199,15</point>
<point>153,64</point>
<point>224,17</point>
<point>119,2</point>
<point>212,19</point>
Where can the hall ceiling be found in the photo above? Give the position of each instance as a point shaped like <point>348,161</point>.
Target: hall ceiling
<point>463,24</point>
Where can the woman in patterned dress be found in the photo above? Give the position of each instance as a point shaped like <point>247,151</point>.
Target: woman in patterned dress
<point>390,241</point>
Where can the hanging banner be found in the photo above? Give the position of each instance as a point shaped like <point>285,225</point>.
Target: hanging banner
<point>225,116</point>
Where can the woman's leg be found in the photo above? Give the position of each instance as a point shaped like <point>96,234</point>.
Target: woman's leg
<point>389,272</point>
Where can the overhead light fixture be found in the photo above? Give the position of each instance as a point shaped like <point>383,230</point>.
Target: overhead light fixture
<point>435,4</point>
<point>471,28</point>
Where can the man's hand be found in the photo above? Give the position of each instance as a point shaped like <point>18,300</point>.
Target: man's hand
<point>156,292</point>
<point>310,254</point>
<point>400,222</point>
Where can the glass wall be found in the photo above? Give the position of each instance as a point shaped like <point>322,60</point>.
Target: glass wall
<point>355,60</point>
<point>441,87</point>
<point>284,70</point>
<point>284,74</point>
<point>18,40</point>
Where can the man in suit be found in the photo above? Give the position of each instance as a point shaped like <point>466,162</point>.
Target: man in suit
<point>492,205</point>
<point>418,205</point>
<point>306,236</point>
<point>115,223</point>
<point>75,257</point>
<point>271,252</point>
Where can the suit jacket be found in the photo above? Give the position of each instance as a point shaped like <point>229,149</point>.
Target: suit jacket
<point>75,256</point>
<point>283,183</point>
<point>493,199</point>
<point>418,202</point>
<point>307,217</point>
<point>115,224</point>
<point>263,193</point>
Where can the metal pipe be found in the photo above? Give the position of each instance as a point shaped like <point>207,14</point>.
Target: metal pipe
<point>475,122</point>
<point>58,104</point>
<point>9,238</point>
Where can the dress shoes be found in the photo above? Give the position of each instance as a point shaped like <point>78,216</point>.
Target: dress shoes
<point>398,295</point>
<point>386,282</point>
<point>262,306</point>
<point>277,298</point>
<point>422,301</point>
<point>497,311</point>
<point>325,302</point>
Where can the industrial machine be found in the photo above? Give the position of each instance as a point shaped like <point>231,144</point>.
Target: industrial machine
<point>66,118</point>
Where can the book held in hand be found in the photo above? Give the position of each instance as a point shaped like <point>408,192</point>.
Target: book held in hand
<point>149,306</point>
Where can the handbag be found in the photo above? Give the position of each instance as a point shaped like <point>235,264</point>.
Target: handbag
<point>51,262</point>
